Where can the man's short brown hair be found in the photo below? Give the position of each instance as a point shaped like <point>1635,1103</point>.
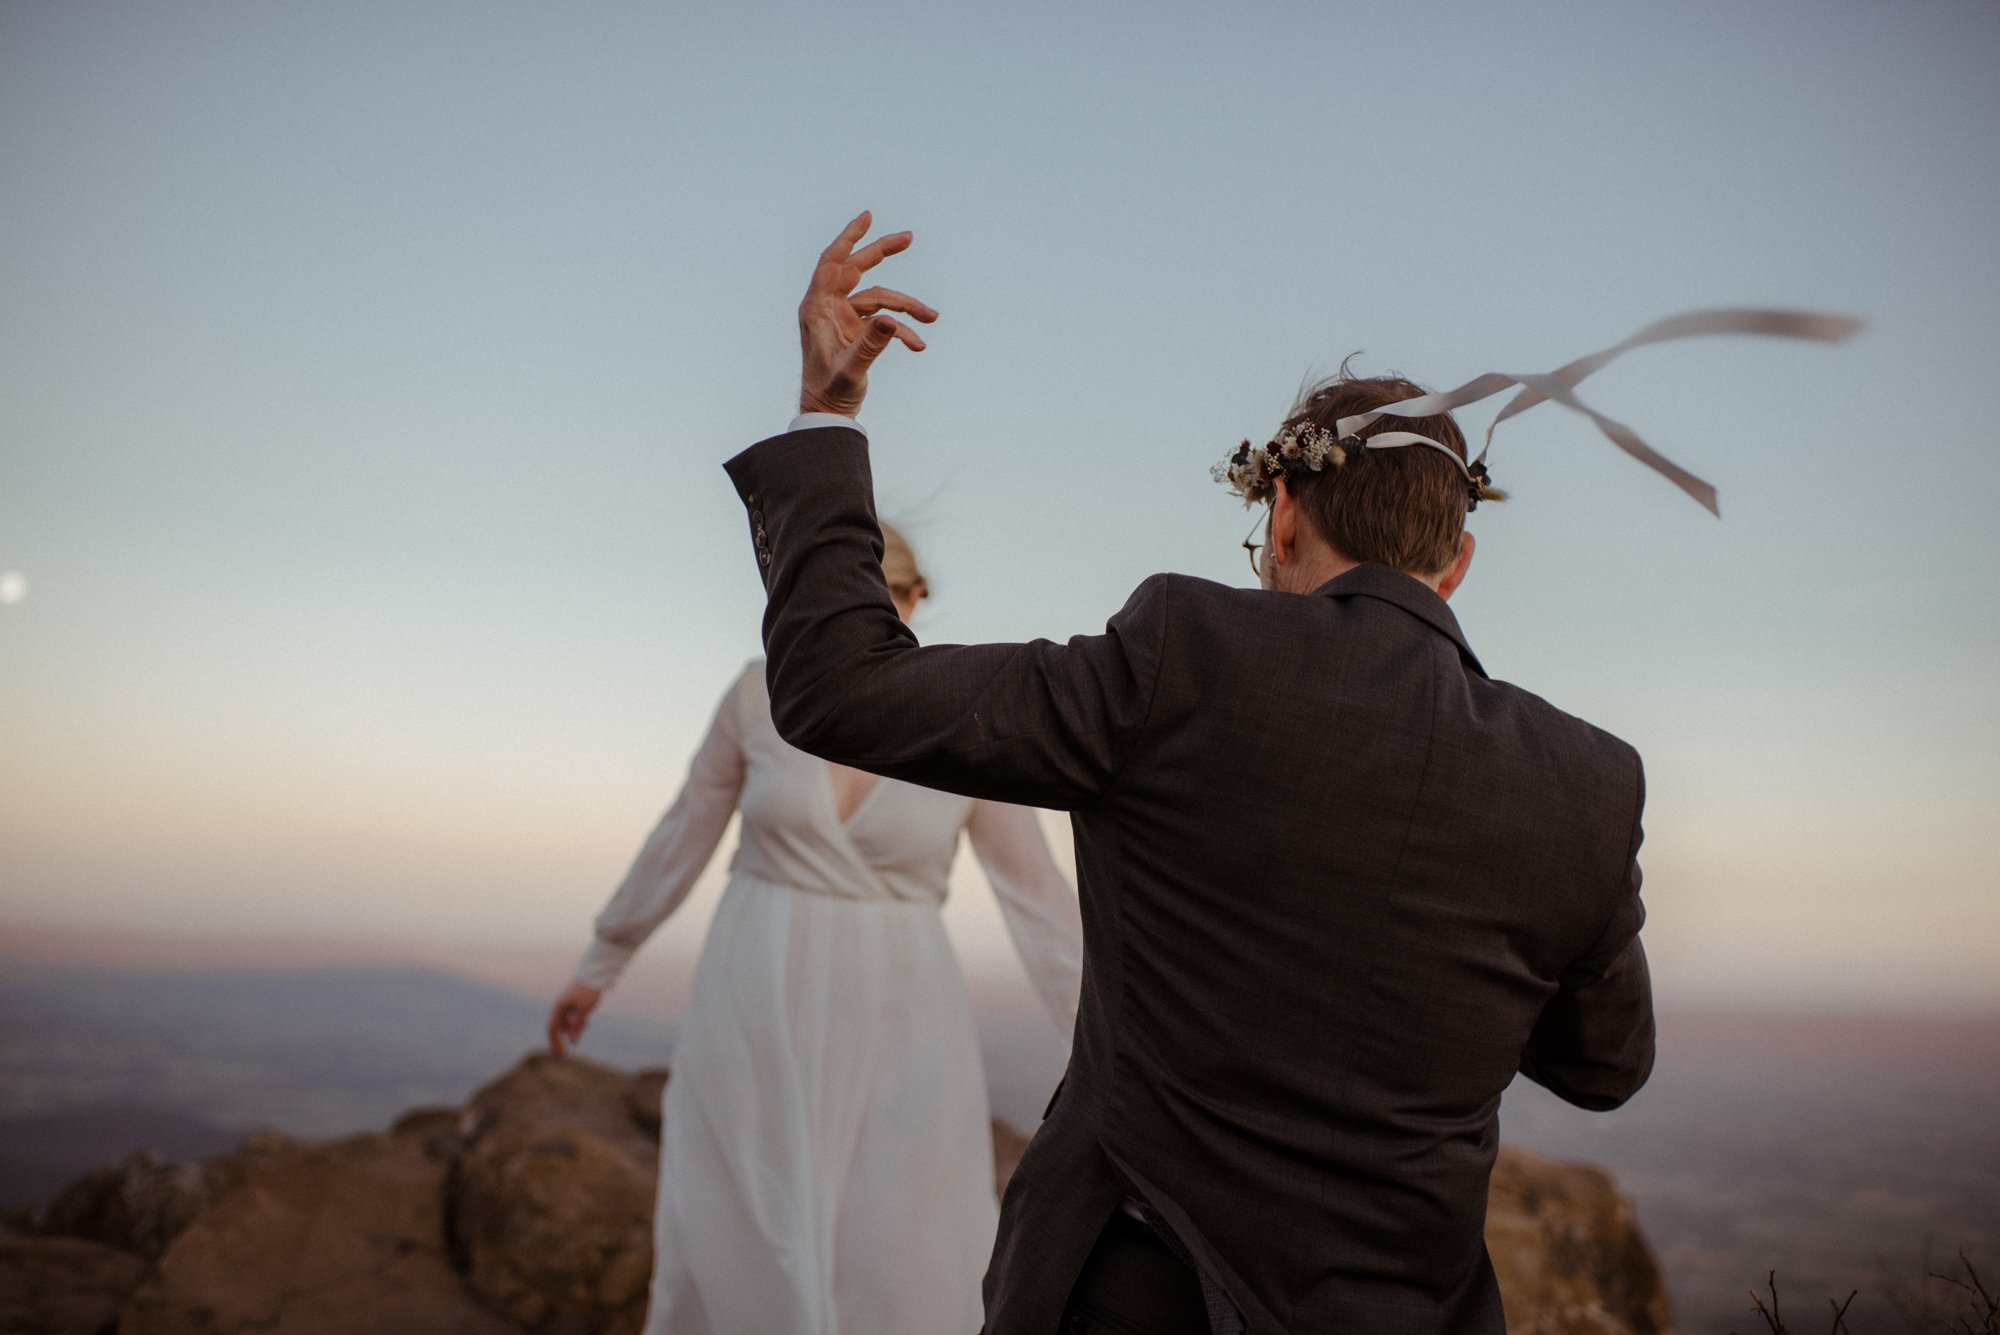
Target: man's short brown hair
<point>1402,507</point>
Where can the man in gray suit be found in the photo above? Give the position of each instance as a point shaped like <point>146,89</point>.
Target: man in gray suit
<point>1337,885</point>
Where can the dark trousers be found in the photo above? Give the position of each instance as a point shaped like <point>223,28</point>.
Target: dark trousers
<point>1133,1284</point>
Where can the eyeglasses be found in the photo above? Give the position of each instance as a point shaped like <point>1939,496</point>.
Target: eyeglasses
<point>1255,547</point>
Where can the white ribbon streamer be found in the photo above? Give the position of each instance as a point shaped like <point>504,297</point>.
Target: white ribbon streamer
<point>1389,440</point>
<point>1557,385</point>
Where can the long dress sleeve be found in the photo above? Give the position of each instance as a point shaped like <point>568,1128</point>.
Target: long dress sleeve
<point>680,846</point>
<point>1036,900</point>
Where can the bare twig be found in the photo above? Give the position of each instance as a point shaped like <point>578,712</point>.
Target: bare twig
<point>1985,1308</point>
<point>1770,1314</point>
<point>1924,1312</point>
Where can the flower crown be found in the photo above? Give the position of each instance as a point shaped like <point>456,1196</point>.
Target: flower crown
<point>1307,447</point>
<point>1303,446</point>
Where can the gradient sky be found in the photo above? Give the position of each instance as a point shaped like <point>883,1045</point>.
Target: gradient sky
<point>365,369</point>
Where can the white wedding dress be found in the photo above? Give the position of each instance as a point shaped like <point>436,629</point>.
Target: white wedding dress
<point>825,1157</point>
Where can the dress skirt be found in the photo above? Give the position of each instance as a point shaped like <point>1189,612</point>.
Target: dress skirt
<point>825,1126</point>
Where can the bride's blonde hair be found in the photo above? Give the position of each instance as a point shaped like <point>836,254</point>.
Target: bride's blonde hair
<point>899,563</point>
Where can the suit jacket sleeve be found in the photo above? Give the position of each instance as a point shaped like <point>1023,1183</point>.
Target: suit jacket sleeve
<point>1593,1044</point>
<point>1036,724</point>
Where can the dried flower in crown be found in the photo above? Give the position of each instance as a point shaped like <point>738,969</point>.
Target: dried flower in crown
<point>1252,471</point>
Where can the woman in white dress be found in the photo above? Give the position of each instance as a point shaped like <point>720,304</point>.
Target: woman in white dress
<point>825,1156</point>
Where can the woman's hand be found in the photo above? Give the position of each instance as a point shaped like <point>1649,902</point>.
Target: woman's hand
<point>571,1013</point>
<point>842,331</point>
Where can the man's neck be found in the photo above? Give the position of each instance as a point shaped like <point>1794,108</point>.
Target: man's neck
<point>1319,563</point>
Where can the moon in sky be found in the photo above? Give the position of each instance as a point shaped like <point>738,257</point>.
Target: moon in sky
<point>13,586</point>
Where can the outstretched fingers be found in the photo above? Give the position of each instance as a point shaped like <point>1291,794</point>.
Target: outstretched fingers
<point>843,245</point>
<point>842,331</point>
<point>851,371</point>
<point>880,249</point>
<point>879,333</point>
<point>875,299</point>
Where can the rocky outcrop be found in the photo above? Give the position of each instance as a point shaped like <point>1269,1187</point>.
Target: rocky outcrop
<point>529,1210</point>
<point>64,1286</point>
<point>137,1204</point>
<point>1008,1147</point>
<point>317,1239</point>
<point>1569,1254</point>
<point>552,1197</point>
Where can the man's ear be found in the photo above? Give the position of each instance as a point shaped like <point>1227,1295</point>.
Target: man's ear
<point>1454,574</point>
<point>1284,526</point>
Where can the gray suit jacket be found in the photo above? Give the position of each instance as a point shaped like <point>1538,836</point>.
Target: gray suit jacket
<point>1337,888</point>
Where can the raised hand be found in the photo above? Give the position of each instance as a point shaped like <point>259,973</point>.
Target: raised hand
<point>570,1014</point>
<point>841,331</point>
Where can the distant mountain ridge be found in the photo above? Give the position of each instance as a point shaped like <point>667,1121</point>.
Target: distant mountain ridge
<point>98,1060</point>
<point>40,1153</point>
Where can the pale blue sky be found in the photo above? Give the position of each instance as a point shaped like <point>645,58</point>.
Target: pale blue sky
<point>365,369</point>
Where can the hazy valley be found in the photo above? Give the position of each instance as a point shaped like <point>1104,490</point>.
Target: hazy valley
<point>1832,1150</point>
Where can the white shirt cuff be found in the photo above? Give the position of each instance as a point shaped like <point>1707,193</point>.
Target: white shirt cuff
<point>807,421</point>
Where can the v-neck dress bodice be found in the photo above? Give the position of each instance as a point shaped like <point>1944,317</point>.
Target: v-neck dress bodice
<point>898,843</point>
<point>825,1157</point>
